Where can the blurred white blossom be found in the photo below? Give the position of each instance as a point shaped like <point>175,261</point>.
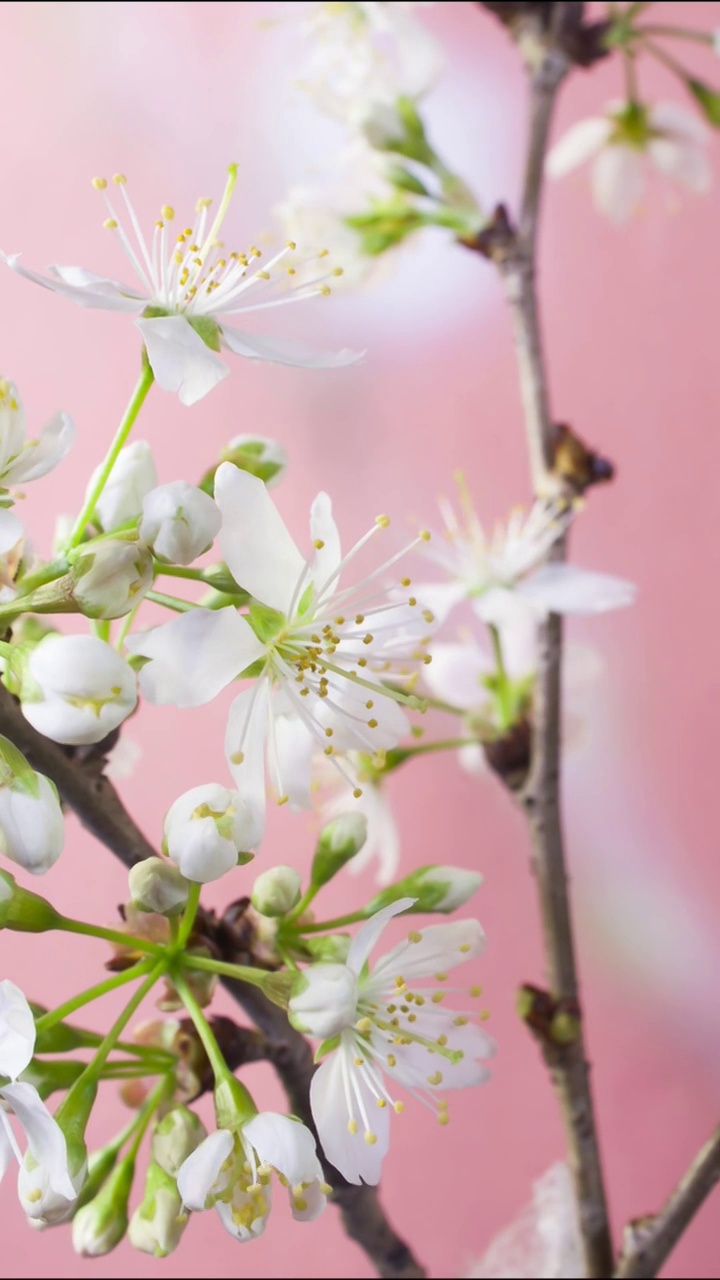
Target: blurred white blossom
<point>544,1242</point>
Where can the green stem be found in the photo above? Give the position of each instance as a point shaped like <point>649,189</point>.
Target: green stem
<point>137,400</point>
<point>503,691</point>
<point>179,571</point>
<point>126,940</point>
<point>302,905</point>
<point>221,1070</point>
<point>354,917</point>
<point>6,650</point>
<point>437,704</point>
<point>146,1114</point>
<point>679,33</point>
<point>170,602</point>
<point>48,573</point>
<point>95,1067</point>
<point>64,1011</point>
<point>188,917</point>
<point>224,969</point>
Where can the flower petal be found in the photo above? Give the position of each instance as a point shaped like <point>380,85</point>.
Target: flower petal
<point>339,1096</point>
<point>199,1174</point>
<point>245,751</point>
<point>81,286</point>
<point>257,547</point>
<point>285,351</point>
<point>41,455</point>
<point>456,672</point>
<point>8,1148</point>
<point>46,1140</point>
<point>11,531</point>
<point>441,947</point>
<point>309,1203</point>
<point>367,936</point>
<point>194,656</point>
<point>179,358</point>
<point>565,588</point>
<point>293,746</point>
<point>440,598</point>
<point>326,541</point>
<point>580,143</point>
<point>671,118</point>
<point>618,181</point>
<point>17,1030</point>
<point>285,1144</point>
<point>245,1216</point>
<point>683,161</point>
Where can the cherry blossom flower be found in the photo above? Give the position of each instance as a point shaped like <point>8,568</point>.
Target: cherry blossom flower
<point>379,1023</point>
<point>188,284</point>
<point>625,144</point>
<point>22,460</point>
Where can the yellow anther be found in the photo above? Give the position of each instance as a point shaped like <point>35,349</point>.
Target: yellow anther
<point>465,948</point>
<point>329,733</point>
<point>381,1102</point>
<point>238,757</point>
<point>99,183</point>
<point>338,271</point>
<point>352,1126</point>
<point>328,751</point>
<point>323,253</point>
<point>460,1021</point>
<point>168,212</point>
<point>119,179</point>
<point>254,251</point>
<point>435,1078</point>
<point>391,1060</point>
<point>362,662</point>
<point>318,545</point>
<point>300,1203</point>
<point>412,1017</point>
<point>382,521</point>
<point>441,977</point>
<point>368,639</point>
<point>291,271</point>
<point>262,275</point>
<point>110,224</point>
<point>414,936</point>
<point>357,793</point>
<point>325,290</point>
<point>34,1195</point>
<point>412,600</point>
<point>476,991</point>
<point>203,203</point>
<point>425,535</point>
<point>442,1041</point>
<point>369,704</point>
<point>283,799</point>
<point>372,724</point>
<point>290,244</point>
<point>359,1062</point>
<point>364,1025</point>
<point>325,1188</point>
<point>179,257</point>
<point>405,582</point>
<point>443,1118</point>
<point>400,983</point>
<point>485,1014</point>
<point>370,1137</point>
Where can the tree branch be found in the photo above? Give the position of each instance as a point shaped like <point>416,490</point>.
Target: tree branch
<point>649,1241</point>
<point>97,804</point>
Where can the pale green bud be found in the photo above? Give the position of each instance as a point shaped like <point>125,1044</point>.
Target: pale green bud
<point>176,1137</point>
<point>435,888</point>
<point>32,830</point>
<point>339,841</point>
<point>332,948</point>
<point>101,1223</point>
<point>23,911</point>
<point>259,455</point>
<point>157,1224</point>
<point>110,578</point>
<point>157,885</point>
<point>276,891</point>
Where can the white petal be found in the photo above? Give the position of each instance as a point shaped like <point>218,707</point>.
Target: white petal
<point>455,674</point>
<point>179,358</point>
<point>7,1144</point>
<point>683,161</point>
<point>618,180</point>
<point>415,1064</point>
<point>285,1144</point>
<point>285,351</point>
<point>80,286</point>
<point>194,656</point>
<point>257,547</point>
<point>441,947</point>
<point>245,751</point>
<point>357,1160</point>
<point>344,711</point>
<point>383,838</point>
<point>46,1140</point>
<point>17,1030</point>
<point>233,1215</point>
<point>198,1175</point>
<point>11,531</point>
<point>367,936</point>
<point>179,522</point>
<point>309,1204</point>
<point>565,588</point>
<point>41,455</point>
<point>580,143</point>
<point>293,748</point>
<point>324,530</point>
<point>671,118</point>
<point>440,597</point>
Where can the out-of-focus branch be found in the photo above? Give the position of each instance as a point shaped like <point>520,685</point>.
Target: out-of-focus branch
<point>97,804</point>
<point>649,1241</point>
<point>542,33</point>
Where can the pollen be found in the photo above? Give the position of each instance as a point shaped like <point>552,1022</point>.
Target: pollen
<point>476,991</point>
<point>425,535</point>
<point>329,733</point>
<point>435,1078</point>
<point>318,544</point>
<point>352,1126</point>
<point>368,639</point>
<point>119,179</point>
<point>391,1060</point>
<point>381,1102</point>
<point>382,521</point>
<point>168,212</point>
<point>110,224</point>
<point>357,793</point>
<point>415,936</point>
<point>465,947</point>
<point>370,1137</point>
<point>438,997</point>
<point>290,244</point>
<point>441,977</point>
<point>283,799</point>
<point>443,1118</point>
<point>99,183</point>
<point>398,1108</point>
<point>237,757</point>
<point>372,724</point>
<point>369,704</point>
<point>364,1025</point>
<point>460,1021</point>
<point>405,582</point>
<point>325,290</point>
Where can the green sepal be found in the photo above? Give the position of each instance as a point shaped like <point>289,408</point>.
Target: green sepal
<point>707,99</point>
<point>207,329</point>
<point>327,1046</point>
<point>265,622</point>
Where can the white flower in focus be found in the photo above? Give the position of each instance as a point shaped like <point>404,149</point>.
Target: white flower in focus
<point>544,1241</point>
<point>76,689</point>
<point>316,652</point>
<point>625,144</point>
<point>130,481</point>
<point>47,1149</point>
<point>381,1023</point>
<point>366,56</point>
<point>490,571</point>
<point>32,829</point>
<point>383,838</point>
<point>22,460</point>
<point>206,831</point>
<point>232,1171</point>
<point>179,522</point>
<point>188,284</point>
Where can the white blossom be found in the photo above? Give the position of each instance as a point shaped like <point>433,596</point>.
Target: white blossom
<point>207,829</point>
<point>179,522</point>
<point>544,1241</point>
<point>32,829</point>
<point>76,689</point>
<point>111,577</point>
<point>46,1147</point>
<point>232,1171</point>
<point>188,284</point>
<point>380,1023</point>
<point>23,460</point>
<point>131,479</point>
<point>628,142</point>
<point>315,651</point>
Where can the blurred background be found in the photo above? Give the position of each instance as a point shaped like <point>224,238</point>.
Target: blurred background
<point>170,94</point>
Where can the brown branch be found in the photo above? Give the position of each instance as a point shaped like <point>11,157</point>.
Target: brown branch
<point>98,806</point>
<point>650,1241</point>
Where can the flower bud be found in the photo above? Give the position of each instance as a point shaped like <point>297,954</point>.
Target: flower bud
<point>157,1224</point>
<point>339,841</point>
<point>23,911</point>
<point>179,522</point>
<point>76,689</point>
<point>32,831</point>
<point>132,477</point>
<point>101,1223</point>
<point>110,578</point>
<point>176,1137</point>
<point>331,948</point>
<point>324,1000</point>
<point>259,455</point>
<point>157,885</point>
<point>206,832</point>
<point>276,891</point>
<point>435,888</point>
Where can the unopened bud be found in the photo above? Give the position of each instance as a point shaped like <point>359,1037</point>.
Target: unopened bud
<point>157,1224</point>
<point>157,885</point>
<point>339,841</point>
<point>176,1137</point>
<point>110,578</point>
<point>332,948</point>
<point>259,455</point>
<point>23,911</point>
<point>32,831</point>
<point>101,1223</point>
<point>132,477</point>
<point>179,522</point>
<point>276,891</point>
<point>208,831</point>
<point>435,889</point>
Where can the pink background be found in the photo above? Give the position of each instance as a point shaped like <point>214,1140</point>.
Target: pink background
<point>170,93</point>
